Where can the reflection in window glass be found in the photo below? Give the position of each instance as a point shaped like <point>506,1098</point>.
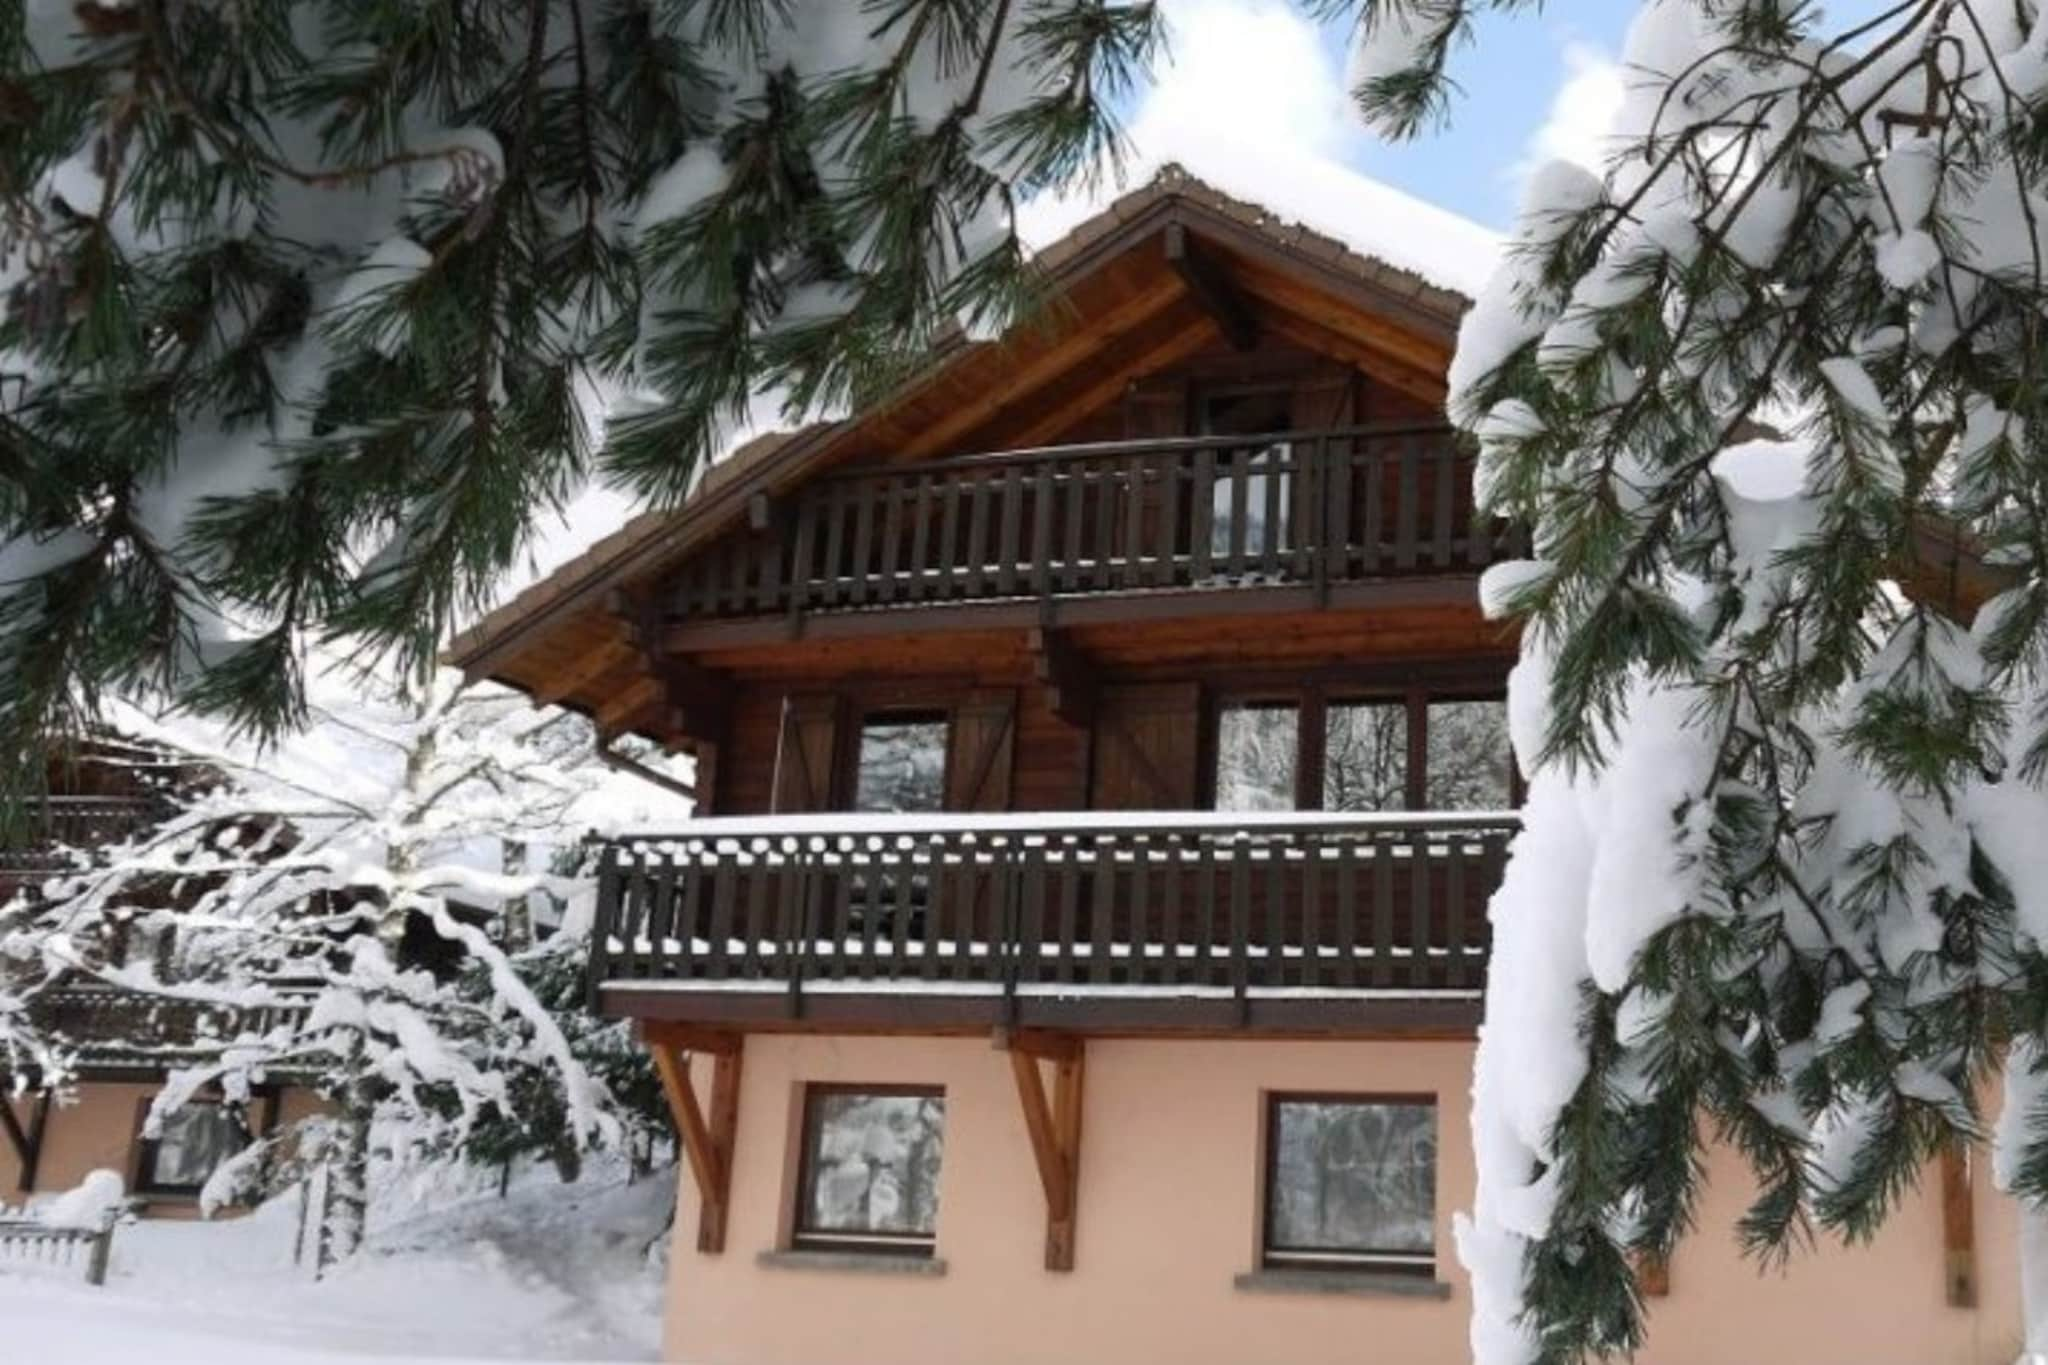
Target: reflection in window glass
<point>902,764</point>
<point>1365,756</point>
<point>1223,534</point>
<point>1469,756</point>
<point>196,1139</point>
<point>871,1167</point>
<point>1256,750</point>
<point>1352,1181</point>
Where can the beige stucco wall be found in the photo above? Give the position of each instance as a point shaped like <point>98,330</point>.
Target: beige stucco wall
<point>1168,1216</point>
<point>97,1130</point>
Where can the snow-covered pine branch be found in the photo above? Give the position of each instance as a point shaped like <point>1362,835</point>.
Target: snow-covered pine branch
<point>1769,388</point>
<point>310,312</point>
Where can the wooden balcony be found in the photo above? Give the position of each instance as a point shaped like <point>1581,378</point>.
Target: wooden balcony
<point>1309,510</point>
<point>52,826</point>
<point>115,1030</point>
<point>1170,922</point>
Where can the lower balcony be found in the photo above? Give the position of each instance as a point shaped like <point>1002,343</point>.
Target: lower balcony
<point>1102,921</point>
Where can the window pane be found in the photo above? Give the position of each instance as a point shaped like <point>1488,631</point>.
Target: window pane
<point>1469,756</point>
<point>1353,1179</point>
<point>902,765</point>
<point>1256,748</point>
<point>1365,756</point>
<point>873,1164</point>
<point>196,1140</point>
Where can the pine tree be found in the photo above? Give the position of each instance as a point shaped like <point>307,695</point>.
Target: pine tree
<point>1769,388</point>
<point>339,899</point>
<point>314,308</point>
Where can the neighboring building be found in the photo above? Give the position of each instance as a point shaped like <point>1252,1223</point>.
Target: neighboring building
<point>1115,695</point>
<point>124,1044</point>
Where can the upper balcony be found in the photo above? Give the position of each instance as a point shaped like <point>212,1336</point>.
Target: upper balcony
<point>1311,513</point>
<point>1138,922</point>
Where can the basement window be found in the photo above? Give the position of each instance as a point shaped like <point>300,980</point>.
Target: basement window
<point>195,1140</point>
<point>1351,1184</point>
<point>869,1174</point>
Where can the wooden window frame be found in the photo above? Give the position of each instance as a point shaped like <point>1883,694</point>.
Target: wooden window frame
<point>906,713</point>
<point>1321,1261</point>
<point>804,1238</point>
<point>1312,702</point>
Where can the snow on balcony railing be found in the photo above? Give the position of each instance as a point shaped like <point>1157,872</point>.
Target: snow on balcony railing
<point>1183,902</point>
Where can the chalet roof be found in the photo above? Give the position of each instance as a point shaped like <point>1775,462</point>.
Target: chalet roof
<point>1404,299</point>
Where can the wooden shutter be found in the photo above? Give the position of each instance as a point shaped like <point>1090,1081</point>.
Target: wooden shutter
<point>979,752</point>
<point>804,756</point>
<point>1156,407</point>
<point>1146,741</point>
<point>1323,399</point>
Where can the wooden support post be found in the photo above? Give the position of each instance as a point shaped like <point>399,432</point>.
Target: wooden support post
<point>1054,1127</point>
<point>1958,1228</point>
<point>708,1137</point>
<point>1653,1276</point>
<point>28,1144</point>
<point>11,1127</point>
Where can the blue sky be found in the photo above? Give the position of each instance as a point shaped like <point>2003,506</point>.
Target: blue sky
<point>1534,85</point>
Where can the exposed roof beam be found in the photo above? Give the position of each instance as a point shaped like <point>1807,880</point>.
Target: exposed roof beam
<point>1209,281</point>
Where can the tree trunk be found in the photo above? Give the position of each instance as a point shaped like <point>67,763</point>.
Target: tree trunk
<point>345,1206</point>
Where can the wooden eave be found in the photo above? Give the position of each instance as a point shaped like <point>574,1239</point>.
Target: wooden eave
<point>1118,310</point>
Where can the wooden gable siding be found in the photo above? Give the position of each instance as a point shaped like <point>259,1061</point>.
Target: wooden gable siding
<point>1123,328</point>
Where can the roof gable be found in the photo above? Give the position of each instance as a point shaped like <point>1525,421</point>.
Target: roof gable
<point>1123,304</point>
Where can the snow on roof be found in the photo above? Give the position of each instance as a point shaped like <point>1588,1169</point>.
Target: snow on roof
<point>1368,216</point>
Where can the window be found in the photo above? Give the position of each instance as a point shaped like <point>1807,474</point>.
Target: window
<point>1325,750</point>
<point>869,1175</point>
<point>196,1138</point>
<point>1351,1183</point>
<point>1365,756</point>
<point>1470,760</point>
<point>1257,746</point>
<point>902,763</point>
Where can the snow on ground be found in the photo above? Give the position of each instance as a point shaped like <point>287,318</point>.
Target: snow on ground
<point>552,1272</point>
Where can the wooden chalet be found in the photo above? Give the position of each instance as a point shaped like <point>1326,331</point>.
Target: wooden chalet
<point>1115,693</point>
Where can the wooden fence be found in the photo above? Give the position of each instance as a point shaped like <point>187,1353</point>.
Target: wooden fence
<point>27,1243</point>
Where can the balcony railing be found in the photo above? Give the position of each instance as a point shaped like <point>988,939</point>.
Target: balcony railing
<point>1306,508</point>
<point>1195,905</point>
<point>112,1027</point>
<point>51,825</point>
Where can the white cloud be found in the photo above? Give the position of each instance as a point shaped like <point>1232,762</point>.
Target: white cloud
<point>1581,112</point>
<point>1252,101</point>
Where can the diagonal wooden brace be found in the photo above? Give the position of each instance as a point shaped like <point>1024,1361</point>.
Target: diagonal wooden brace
<point>1055,1129</point>
<point>1958,1228</point>
<point>708,1136</point>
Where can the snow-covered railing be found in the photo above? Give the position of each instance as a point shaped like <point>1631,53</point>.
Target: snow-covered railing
<point>1190,903</point>
<point>112,1026</point>
<point>27,1244</point>
<point>50,826</point>
<point>1312,508</point>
